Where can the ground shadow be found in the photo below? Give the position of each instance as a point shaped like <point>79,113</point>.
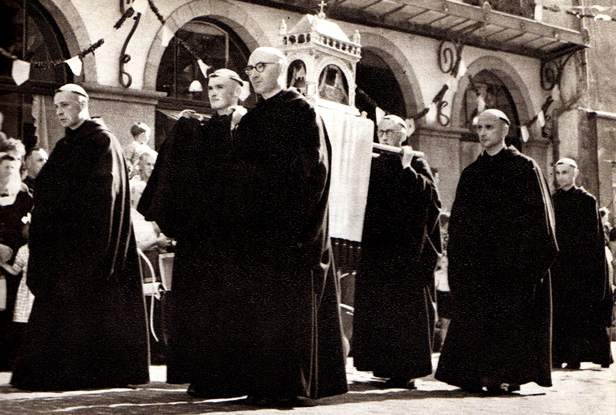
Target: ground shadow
<point>163,398</point>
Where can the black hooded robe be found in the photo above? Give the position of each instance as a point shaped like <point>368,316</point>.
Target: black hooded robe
<point>580,282</point>
<point>501,246</point>
<point>88,327</point>
<point>253,308</point>
<point>392,323</point>
<point>185,196</point>
<point>291,328</point>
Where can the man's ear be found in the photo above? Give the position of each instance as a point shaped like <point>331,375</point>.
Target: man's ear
<point>506,128</point>
<point>238,92</point>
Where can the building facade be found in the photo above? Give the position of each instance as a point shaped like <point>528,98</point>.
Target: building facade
<point>449,58</point>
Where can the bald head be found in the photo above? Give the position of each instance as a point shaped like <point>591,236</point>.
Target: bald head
<point>267,71</point>
<point>273,54</point>
<point>566,171</point>
<point>71,102</point>
<point>492,128</point>
<point>568,161</point>
<point>392,131</point>
<point>492,112</point>
<point>75,89</point>
<point>224,89</point>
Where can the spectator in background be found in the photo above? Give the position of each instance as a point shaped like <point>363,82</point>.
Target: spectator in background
<point>443,295</point>
<point>581,290</point>
<point>401,243</point>
<point>152,242</point>
<point>34,160</point>
<point>141,137</point>
<point>13,147</point>
<point>24,297</point>
<point>145,166</point>
<point>612,246</point>
<point>147,233</point>
<point>15,204</point>
<point>83,267</point>
<point>604,214</point>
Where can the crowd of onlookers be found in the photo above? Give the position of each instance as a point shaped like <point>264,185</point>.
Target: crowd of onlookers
<point>16,187</point>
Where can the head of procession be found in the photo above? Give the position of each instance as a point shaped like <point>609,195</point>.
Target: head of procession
<point>71,103</point>
<point>266,70</point>
<point>392,130</point>
<point>492,126</point>
<point>224,90</point>
<point>566,171</point>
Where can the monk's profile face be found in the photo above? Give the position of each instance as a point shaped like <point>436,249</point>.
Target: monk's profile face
<point>492,132</point>
<point>223,92</point>
<point>565,176</point>
<point>70,109</point>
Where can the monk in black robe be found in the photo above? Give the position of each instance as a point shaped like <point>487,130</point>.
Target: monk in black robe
<point>582,296</point>
<point>186,197</point>
<point>87,328</point>
<point>501,246</point>
<point>289,337</point>
<point>392,324</point>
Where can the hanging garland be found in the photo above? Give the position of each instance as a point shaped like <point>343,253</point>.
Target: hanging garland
<point>454,65</point>
<point>21,69</point>
<point>56,62</point>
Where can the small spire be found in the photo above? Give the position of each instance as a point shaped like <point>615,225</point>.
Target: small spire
<point>322,5</point>
<point>283,27</point>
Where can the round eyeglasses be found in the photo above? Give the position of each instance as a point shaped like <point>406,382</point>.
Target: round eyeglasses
<point>388,133</point>
<point>259,67</point>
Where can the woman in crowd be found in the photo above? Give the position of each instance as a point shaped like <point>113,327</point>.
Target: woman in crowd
<point>15,203</point>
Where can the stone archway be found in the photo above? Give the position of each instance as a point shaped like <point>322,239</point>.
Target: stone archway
<point>400,67</point>
<point>537,148</point>
<point>74,31</point>
<point>507,74</point>
<point>223,11</point>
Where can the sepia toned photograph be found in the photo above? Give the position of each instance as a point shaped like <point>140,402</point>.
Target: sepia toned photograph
<point>318,206</point>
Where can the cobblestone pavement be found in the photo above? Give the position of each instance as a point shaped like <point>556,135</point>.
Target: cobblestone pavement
<point>589,391</point>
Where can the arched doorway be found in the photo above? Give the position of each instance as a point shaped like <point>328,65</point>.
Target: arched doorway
<point>180,76</point>
<point>377,86</point>
<point>485,90</point>
<point>29,32</point>
<point>492,90</point>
